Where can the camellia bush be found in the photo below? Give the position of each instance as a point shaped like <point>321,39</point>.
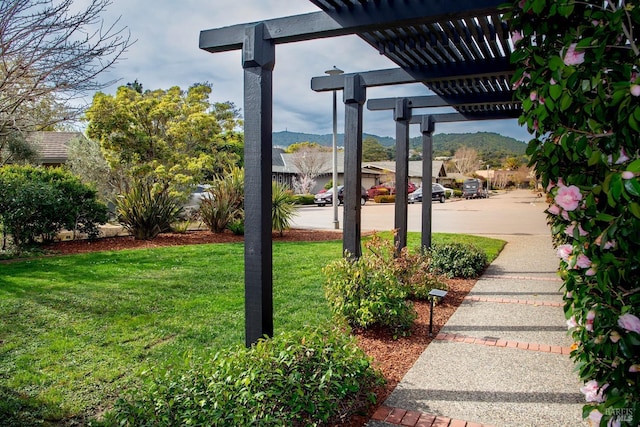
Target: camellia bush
<point>577,76</point>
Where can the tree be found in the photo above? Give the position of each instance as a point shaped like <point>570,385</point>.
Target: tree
<point>310,161</point>
<point>51,53</point>
<point>578,77</point>
<point>87,162</point>
<point>373,151</point>
<point>467,160</point>
<point>512,163</point>
<point>176,137</point>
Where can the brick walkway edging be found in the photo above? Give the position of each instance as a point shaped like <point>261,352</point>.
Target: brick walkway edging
<point>402,417</point>
<point>545,348</point>
<point>514,301</point>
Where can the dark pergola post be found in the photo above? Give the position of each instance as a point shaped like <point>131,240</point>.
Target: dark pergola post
<point>258,59</point>
<point>427,127</point>
<point>402,115</point>
<point>354,97</point>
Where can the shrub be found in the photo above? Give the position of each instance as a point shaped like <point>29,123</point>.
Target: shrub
<point>577,75</point>
<point>458,260</point>
<point>365,293</point>
<point>303,378</point>
<point>36,203</point>
<point>225,203</point>
<point>147,210</point>
<point>412,269</point>
<point>385,198</point>
<point>303,199</point>
<point>457,193</point>
<point>282,207</point>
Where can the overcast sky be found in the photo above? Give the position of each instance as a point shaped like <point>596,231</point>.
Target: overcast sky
<point>166,54</point>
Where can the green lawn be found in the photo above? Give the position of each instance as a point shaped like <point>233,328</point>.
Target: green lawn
<point>77,330</point>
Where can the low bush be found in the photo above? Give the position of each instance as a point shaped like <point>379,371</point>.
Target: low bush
<point>148,209</point>
<point>385,198</point>
<point>458,260</point>
<point>457,193</point>
<point>412,269</point>
<point>282,207</point>
<point>366,293</point>
<point>303,378</point>
<point>36,203</point>
<point>303,199</point>
<point>225,203</point>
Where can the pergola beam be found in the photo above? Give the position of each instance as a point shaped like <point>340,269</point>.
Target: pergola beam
<point>432,101</point>
<point>358,19</point>
<point>396,76</point>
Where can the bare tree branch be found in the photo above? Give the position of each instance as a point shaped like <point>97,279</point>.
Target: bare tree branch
<point>51,54</point>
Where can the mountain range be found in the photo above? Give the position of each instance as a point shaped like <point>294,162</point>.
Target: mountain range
<point>487,144</point>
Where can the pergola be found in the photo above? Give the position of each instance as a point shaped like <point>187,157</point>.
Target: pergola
<point>458,49</point>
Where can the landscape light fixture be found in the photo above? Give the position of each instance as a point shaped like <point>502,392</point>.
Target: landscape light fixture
<point>433,294</point>
<point>336,223</point>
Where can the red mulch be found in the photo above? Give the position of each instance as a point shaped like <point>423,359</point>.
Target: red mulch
<point>392,357</point>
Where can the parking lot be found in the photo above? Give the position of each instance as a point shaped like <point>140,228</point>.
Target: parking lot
<point>518,212</point>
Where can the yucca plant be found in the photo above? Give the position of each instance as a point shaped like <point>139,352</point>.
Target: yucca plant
<point>223,204</point>
<point>147,210</point>
<point>283,207</point>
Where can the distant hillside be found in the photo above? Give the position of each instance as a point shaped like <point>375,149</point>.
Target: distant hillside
<point>488,144</point>
<point>286,138</point>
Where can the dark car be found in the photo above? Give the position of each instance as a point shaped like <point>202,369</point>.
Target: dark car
<point>437,193</point>
<point>472,189</point>
<point>326,198</point>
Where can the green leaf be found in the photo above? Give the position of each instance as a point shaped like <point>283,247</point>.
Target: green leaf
<point>538,6</point>
<point>632,186</point>
<point>565,101</point>
<point>634,166</point>
<point>634,208</point>
<point>555,91</point>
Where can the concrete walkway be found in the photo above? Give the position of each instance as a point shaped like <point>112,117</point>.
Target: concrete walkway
<point>502,358</point>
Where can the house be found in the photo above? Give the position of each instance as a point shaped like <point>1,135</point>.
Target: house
<point>386,171</point>
<point>286,167</point>
<point>53,146</point>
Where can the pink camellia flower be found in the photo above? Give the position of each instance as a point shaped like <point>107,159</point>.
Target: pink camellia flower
<point>589,324</point>
<point>628,175</point>
<point>634,368</point>
<point>569,295</point>
<point>622,157</point>
<point>594,417</point>
<point>629,322</point>
<point>568,198</point>
<point>571,57</point>
<point>564,252</point>
<point>582,261</point>
<point>553,81</point>
<point>533,95</point>
<point>591,272</point>
<point>553,210</point>
<point>565,215</point>
<point>635,90</point>
<point>516,36</point>
<point>592,392</point>
<point>571,228</point>
<point>571,323</point>
<point>521,3</point>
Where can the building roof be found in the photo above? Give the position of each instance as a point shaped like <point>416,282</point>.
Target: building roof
<point>53,146</point>
<point>415,168</point>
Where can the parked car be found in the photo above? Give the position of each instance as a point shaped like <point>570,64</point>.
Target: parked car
<point>437,193</point>
<point>472,189</point>
<point>388,188</point>
<point>326,198</point>
<point>196,197</point>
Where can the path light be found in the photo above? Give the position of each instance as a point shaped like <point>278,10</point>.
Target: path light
<point>433,294</point>
<point>336,223</point>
